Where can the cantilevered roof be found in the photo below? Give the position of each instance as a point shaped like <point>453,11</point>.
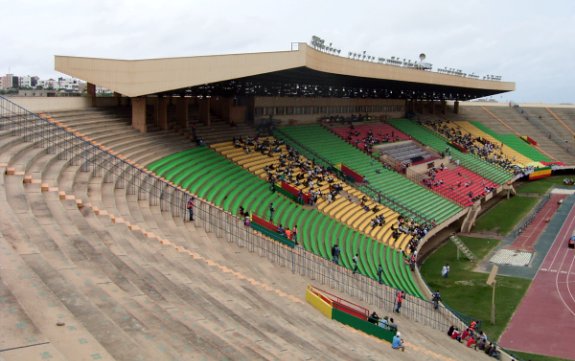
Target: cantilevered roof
<point>305,65</point>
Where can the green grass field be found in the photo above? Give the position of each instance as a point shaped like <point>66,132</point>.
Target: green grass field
<point>531,357</point>
<point>503,217</point>
<point>541,186</point>
<point>466,290</point>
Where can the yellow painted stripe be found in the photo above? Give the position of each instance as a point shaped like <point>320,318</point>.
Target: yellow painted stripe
<point>316,301</point>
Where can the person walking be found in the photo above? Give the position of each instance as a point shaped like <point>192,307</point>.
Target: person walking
<point>400,296</point>
<point>435,298</point>
<point>335,253</point>
<point>294,234</point>
<point>190,207</point>
<point>380,274</point>
<point>355,261</point>
<point>272,210</point>
<point>445,270</point>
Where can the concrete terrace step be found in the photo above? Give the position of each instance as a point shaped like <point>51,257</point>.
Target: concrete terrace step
<point>127,296</point>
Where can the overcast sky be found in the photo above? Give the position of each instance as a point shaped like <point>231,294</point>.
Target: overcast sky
<point>528,42</point>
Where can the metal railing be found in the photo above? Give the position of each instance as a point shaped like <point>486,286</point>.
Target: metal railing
<point>530,217</point>
<point>78,150</point>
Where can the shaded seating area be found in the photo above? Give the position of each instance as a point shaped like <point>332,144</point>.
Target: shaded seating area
<point>395,187</point>
<point>428,137</point>
<point>216,179</point>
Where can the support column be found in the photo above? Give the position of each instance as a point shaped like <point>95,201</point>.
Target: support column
<point>443,106</point>
<point>139,114</point>
<point>162,111</point>
<point>91,90</point>
<point>456,107</point>
<point>182,105</point>
<point>204,110</point>
<point>432,102</point>
<point>118,98</point>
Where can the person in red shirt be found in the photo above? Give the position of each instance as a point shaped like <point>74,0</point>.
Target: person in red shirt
<point>400,296</point>
<point>190,207</point>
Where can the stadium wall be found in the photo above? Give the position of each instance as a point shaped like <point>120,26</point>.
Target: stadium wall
<point>309,110</point>
<point>51,104</point>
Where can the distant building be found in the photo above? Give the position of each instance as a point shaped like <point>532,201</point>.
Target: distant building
<point>9,81</point>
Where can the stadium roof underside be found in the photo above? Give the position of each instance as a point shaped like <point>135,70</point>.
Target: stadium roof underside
<point>302,72</point>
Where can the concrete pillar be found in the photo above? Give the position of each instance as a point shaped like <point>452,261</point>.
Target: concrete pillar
<point>182,112</point>
<point>118,98</point>
<point>91,90</point>
<point>456,107</point>
<point>204,111</point>
<point>162,111</point>
<point>139,114</point>
<point>443,106</point>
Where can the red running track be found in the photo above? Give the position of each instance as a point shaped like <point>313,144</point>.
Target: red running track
<point>544,322</point>
<point>527,239</point>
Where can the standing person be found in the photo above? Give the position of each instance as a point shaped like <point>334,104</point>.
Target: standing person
<point>355,260</point>
<point>400,296</point>
<point>380,274</point>
<point>335,253</point>
<point>436,297</point>
<point>294,234</point>
<point>272,210</point>
<point>190,207</point>
<point>445,270</point>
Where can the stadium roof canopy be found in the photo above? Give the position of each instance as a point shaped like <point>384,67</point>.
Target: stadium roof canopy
<point>302,72</point>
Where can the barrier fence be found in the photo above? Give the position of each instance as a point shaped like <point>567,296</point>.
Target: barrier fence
<point>81,151</point>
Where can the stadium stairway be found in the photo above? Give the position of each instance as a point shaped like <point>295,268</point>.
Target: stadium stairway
<point>122,292</point>
<point>419,200</point>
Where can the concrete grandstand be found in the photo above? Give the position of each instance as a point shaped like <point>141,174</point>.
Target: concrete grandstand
<point>99,263</point>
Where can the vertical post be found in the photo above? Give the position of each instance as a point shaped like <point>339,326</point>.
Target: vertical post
<point>139,114</point>
<point>493,303</point>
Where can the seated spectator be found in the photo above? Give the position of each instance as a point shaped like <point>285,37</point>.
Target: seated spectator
<point>373,318</point>
<point>450,331</point>
<point>392,325</point>
<point>491,350</point>
<point>383,322</point>
<point>455,335</point>
<point>281,230</point>
<point>481,341</point>
<point>397,343</point>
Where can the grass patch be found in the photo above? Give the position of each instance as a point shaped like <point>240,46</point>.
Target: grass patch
<point>466,291</point>
<point>505,215</point>
<point>541,186</point>
<point>533,357</point>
